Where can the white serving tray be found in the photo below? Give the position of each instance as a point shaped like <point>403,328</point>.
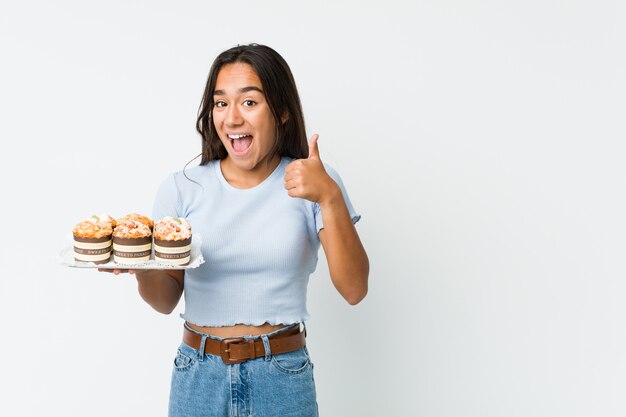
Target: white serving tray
<point>66,258</point>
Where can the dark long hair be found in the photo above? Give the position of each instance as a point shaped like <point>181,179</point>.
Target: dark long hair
<point>281,94</point>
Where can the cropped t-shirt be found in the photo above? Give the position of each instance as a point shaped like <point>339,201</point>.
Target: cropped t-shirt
<point>259,245</point>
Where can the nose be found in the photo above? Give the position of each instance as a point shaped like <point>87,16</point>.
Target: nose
<point>233,116</point>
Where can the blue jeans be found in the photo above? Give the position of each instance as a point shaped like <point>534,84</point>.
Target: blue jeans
<point>275,385</point>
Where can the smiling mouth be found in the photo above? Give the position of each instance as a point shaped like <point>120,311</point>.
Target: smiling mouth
<point>240,143</point>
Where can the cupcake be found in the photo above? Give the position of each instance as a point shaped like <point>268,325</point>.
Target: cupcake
<point>105,218</point>
<point>172,241</point>
<point>92,239</point>
<point>132,242</point>
<point>137,217</point>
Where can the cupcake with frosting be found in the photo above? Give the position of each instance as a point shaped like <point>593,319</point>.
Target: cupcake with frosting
<point>172,241</point>
<point>132,241</point>
<point>92,239</point>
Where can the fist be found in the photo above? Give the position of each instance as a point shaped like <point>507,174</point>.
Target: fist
<point>307,178</point>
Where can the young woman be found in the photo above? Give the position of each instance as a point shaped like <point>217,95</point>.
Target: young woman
<point>263,201</point>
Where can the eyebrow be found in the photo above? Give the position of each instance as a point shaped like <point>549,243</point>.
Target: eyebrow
<point>241,90</point>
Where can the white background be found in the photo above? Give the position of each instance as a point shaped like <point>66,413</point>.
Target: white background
<point>482,141</point>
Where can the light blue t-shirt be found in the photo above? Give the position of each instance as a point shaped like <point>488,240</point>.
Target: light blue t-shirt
<point>259,245</point>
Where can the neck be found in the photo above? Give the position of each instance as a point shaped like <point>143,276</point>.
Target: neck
<point>248,178</point>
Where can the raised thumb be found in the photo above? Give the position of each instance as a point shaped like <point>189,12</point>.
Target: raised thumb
<point>314,152</point>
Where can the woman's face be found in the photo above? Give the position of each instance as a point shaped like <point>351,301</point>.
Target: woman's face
<point>242,117</point>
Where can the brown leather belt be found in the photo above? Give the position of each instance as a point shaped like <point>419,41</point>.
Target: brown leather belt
<point>237,349</point>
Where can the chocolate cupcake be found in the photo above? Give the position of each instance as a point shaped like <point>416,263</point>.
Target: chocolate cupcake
<point>172,241</point>
<point>92,239</point>
<point>132,242</point>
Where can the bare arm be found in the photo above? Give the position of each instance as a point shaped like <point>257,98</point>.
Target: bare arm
<point>347,261</point>
<point>161,289</point>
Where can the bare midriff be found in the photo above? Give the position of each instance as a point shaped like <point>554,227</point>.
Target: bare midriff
<point>237,330</point>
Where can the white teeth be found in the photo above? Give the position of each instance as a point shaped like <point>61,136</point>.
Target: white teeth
<point>237,136</point>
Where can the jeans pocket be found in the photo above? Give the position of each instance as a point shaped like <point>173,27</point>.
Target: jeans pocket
<point>182,362</point>
<point>294,362</point>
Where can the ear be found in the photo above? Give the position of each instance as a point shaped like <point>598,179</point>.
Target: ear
<point>284,118</point>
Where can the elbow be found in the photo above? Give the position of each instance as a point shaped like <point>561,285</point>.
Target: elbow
<point>164,309</point>
<point>356,298</point>
<point>159,306</point>
<point>359,293</point>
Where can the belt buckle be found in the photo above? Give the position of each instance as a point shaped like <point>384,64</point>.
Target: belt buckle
<point>225,349</point>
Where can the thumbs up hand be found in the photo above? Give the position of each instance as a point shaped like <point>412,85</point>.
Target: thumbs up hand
<point>314,150</point>
<point>307,178</point>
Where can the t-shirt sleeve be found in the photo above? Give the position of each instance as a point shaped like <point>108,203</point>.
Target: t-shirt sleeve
<point>167,200</point>
<point>319,222</point>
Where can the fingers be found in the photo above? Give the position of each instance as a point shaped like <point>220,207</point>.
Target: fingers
<point>302,175</point>
<point>294,166</point>
<point>116,271</point>
<point>293,179</point>
<point>293,189</point>
<point>291,184</point>
<point>314,152</point>
<point>293,175</point>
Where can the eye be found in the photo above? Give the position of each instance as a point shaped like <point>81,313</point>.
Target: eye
<point>249,103</point>
<point>220,104</point>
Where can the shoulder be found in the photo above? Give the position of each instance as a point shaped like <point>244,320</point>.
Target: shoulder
<point>197,172</point>
<point>189,176</point>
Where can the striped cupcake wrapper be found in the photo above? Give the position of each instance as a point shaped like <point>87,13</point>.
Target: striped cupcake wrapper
<point>132,251</point>
<point>174,252</point>
<point>96,250</point>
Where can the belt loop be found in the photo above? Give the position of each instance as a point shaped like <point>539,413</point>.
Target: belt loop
<point>201,350</point>
<point>266,345</point>
<point>304,325</point>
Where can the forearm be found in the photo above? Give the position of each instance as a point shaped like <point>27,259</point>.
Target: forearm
<point>347,260</point>
<point>160,289</point>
